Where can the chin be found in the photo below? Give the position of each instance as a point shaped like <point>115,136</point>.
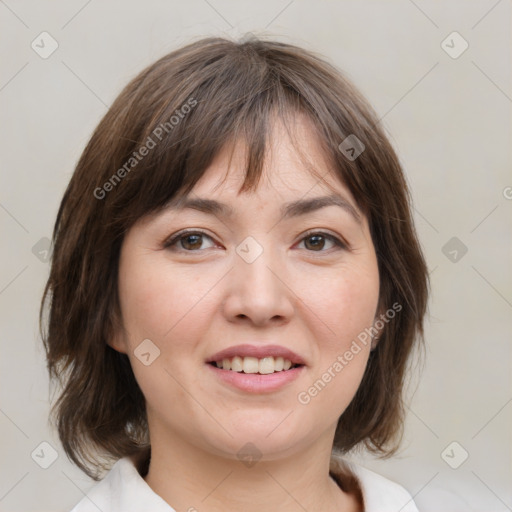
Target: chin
<point>262,436</point>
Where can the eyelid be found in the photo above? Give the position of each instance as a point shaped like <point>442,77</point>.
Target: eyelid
<point>339,241</point>
<point>180,234</point>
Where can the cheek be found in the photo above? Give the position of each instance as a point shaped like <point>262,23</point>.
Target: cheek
<point>345,308</point>
<point>359,295</point>
<point>345,305</point>
<point>160,304</point>
<point>158,301</point>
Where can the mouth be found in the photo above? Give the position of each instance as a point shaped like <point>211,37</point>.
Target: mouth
<point>254,365</point>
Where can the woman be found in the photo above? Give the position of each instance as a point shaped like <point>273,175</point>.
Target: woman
<point>236,289</point>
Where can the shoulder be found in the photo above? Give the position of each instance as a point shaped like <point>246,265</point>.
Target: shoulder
<point>379,493</point>
<point>122,490</point>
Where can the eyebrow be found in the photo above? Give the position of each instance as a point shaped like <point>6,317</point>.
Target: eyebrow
<point>288,210</point>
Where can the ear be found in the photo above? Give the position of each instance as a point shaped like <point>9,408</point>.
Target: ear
<point>117,341</point>
<point>377,324</point>
<point>116,347</point>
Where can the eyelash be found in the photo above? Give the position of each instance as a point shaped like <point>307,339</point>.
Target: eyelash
<point>173,240</point>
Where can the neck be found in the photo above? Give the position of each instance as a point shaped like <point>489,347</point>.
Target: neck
<point>189,478</point>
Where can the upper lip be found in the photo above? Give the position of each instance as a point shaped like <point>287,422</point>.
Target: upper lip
<point>259,351</point>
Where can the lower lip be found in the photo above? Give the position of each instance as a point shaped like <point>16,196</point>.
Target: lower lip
<point>255,382</point>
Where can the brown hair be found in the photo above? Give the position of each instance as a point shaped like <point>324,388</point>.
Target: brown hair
<point>154,143</point>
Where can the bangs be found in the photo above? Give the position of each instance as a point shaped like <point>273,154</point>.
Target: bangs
<point>173,128</point>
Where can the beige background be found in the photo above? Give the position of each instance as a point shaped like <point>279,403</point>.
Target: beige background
<point>448,117</point>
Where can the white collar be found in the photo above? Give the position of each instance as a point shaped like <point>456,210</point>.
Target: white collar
<point>124,490</point>
<point>379,493</point>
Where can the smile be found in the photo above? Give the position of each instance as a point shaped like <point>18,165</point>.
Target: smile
<point>263,366</point>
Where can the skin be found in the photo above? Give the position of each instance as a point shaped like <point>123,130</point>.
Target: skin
<point>200,296</point>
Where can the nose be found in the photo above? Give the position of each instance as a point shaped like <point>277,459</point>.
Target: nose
<point>259,291</point>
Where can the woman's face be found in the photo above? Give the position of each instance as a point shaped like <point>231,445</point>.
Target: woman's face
<point>275,278</point>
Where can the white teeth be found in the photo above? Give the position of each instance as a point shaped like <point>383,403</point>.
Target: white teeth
<point>264,366</point>
<point>251,365</point>
<point>237,364</point>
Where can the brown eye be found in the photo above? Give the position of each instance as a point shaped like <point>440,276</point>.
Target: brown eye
<point>316,241</point>
<point>190,241</point>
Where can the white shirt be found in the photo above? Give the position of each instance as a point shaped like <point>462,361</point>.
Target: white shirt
<point>124,490</point>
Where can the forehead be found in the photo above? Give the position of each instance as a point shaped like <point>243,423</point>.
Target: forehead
<point>295,164</point>
<point>296,179</point>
